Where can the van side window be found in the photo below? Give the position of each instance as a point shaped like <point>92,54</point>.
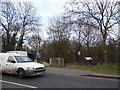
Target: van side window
<point>11,59</point>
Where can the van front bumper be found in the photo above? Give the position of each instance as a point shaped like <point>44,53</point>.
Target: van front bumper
<point>34,72</point>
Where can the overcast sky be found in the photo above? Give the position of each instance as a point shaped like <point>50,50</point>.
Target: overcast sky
<point>47,9</point>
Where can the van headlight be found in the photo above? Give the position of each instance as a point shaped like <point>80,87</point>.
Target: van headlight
<point>30,68</point>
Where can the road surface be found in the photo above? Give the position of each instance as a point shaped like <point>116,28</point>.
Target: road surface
<point>51,80</point>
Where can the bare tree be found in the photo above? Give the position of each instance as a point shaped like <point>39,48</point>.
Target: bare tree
<point>8,21</point>
<point>27,17</point>
<point>59,31</point>
<point>35,41</point>
<point>59,28</point>
<point>103,14</point>
<point>17,19</point>
<point>107,12</point>
<point>90,36</point>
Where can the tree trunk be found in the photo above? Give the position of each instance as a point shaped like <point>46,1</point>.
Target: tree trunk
<point>13,42</point>
<point>105,55</point>
<point>88,48</point>
<point>105,50</point>
<point>20,42</point>
<point>8,41</point>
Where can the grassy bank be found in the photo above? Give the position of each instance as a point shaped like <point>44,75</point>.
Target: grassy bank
<point>104,68</point>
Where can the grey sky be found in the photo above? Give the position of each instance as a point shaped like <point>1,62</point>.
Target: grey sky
<point>49,8</point>
<point>45,9</point>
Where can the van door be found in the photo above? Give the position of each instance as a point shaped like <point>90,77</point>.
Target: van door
<point>10,65</point>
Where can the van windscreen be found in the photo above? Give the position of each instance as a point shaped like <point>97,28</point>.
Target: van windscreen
<point>22,59</point>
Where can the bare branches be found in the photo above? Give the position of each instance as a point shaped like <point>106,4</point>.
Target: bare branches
<point>100,15</point>
<point>59,28</point>
<point>18,18</point>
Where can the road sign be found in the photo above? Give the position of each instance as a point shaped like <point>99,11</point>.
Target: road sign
<point>79,53</point>
<point>88,58</point>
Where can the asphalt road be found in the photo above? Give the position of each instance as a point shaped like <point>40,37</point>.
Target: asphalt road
<point>51,80</point>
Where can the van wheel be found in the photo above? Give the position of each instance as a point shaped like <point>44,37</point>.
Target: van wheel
<point>21,73</point>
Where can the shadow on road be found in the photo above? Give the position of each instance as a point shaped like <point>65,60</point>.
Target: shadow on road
<point>4,75</point>
<point>110,77</point>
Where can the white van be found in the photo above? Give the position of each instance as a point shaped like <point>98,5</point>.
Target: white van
<point>20,65</point>
<point>22,53</point>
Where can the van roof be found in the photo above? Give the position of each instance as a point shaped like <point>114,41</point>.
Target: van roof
<point>21,53</point>
<point>4,57</point>
<point>8,54</point>
<point>14,54</point>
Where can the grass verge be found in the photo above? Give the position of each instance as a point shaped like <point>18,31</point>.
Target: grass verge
<point>104,68</point>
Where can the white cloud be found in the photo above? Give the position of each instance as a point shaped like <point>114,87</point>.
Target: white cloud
<point>44,32</point>
<point>46,14</point>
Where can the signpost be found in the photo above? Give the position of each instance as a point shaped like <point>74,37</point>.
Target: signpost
<point>89,59</point>
<point>79,53</point>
